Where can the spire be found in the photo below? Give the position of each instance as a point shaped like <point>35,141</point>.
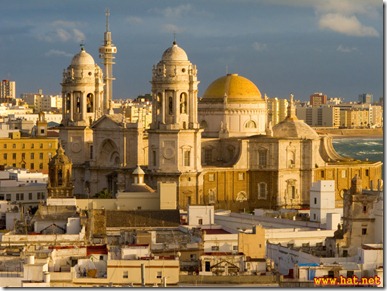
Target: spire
<point>174,38</point>
<point>291,109</point>
<point>107,13</point>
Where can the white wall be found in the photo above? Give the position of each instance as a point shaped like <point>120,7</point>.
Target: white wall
<point>322,200</point>
<point>200,213</point>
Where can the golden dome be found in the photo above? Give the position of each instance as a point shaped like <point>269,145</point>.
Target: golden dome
<point>236,88</point>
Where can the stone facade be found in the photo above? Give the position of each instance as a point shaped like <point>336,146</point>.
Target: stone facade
<point>219,150</point>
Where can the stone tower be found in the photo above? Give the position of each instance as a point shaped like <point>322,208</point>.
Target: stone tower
<point>175,134</point>
<point>59,182</point>
<point>41,125</point>
<point>82,93</point>
<point>106,53</point>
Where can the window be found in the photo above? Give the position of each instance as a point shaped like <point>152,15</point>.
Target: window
<point>1,197</point>
<point>32,146</point>
<point>8,197</point>
<point>21,196</point>
<point>14,146</point>
<point>50,145</point>
<point>5,156</point>
<point>23,146</point>
<point>293,192</point>
<point>345,254</point>
<point>364,208</point>
<point>200,221</point>
<point>5,146</point>
<point>41,156</point>
<point>41,145</point>
<point>350,274</point>
<point>262,158</point>
<point>170,104</point>
<point>215,248</point>
<point>241,176</point>
<point>367,173</point>
<point>39,196</point>
<point>234,248</point>
<point>343,174</point>
<point>40,166</point>
<point>29,196</point>
<point>91,152</point>
<point>154,158</point>
<point>159,274</point>
<point>14,156</point>
<point>208,155</point>
<point>23,155</point>
<point>364,231</point>
<point>207,265</point>
<point>262,190</point>
<point>187,158</point>
<point>32,155</point>
<point>322,174</point>
<point>315,200</point>
<point>125,275</point>
<point>17,197</point>
<point>211,177</point>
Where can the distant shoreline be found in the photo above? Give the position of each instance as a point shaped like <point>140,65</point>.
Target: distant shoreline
<point>351,133</point>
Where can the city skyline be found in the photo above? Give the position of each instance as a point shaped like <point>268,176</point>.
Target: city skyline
<point>284,47</point>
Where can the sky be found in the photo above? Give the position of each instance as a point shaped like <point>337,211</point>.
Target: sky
<point>284,46</point>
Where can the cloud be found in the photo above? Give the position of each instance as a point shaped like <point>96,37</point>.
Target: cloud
<point>171,28</point>
<point>348,25</point>
<point>53,52</point>
<point>259,46</point>
<point>344,49</point>
<point>340,16</point>
<point>134,20</point>
<point>59,31</point>
<point>173,12</point>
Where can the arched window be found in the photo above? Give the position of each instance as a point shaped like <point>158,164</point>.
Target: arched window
<point>68,103</point>
<point>170,105</point>
<point>89,103</point>
<point>183,103</point>
<point>159,103</point>
<point>60,178</point>
<point>203,124</point>
<point>78,104</point>
<point>250,124</point>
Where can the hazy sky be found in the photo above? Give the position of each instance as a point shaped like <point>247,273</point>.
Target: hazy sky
<point>283,46</point>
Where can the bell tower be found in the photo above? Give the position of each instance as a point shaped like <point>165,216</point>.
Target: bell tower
<point>175,134</point>
<point>59,182</point>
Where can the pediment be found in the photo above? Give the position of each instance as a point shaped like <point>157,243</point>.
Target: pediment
<point>107,122</point>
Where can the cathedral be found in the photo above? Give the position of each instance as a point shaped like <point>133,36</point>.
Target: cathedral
<point>219,148</point>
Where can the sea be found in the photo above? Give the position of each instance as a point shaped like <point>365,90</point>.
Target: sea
<point>360,148</point>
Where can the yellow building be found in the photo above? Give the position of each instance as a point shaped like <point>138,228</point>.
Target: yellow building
<point>31,153</point>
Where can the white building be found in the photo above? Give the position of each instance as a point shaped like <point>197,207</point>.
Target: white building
<point>322,200</point>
